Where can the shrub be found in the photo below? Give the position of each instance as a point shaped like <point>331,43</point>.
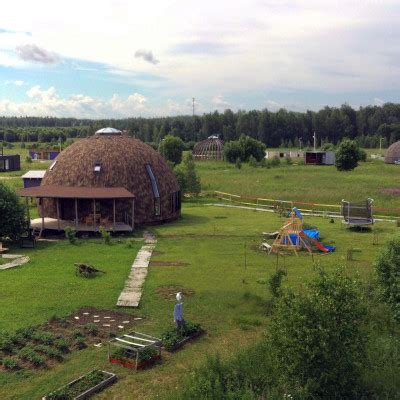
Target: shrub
<point>233,151</point>
<point>28,159</point>
<point>12,214</point>
<point>172,337</point>
<point>80,344</point>
<point>387,267</point>
<point>318,338</point>
<point>275,283</point>
<point>77,334</point>
<point>28,353</point>
<point>70,234</point>
<point>289,161</point>
<point>106,236</point>
<point>187,177</point>
<point>6,343</point>
<point>171,148</point>
<point>347,155</point>
<point>10,363</point>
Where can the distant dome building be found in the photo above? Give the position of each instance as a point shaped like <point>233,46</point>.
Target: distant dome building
<point>393,153</point>
<point>209,149</point>
<point>108,180</point>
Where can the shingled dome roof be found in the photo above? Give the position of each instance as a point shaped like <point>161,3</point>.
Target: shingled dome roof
<point>209,149</point>
<point>116,161</point>
<point>393,153</point>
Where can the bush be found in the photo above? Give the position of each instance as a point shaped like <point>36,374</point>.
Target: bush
<point>387,267</point>
<point>275,283</point>
<point>28,159</point>
<point>12,214</point>
<point>44,337</point>
<point>50,352</point>
<point>186,175</point>
<point>171,148</point>
<point>10,363</point>
<point>243,149</point>
<point>106,236</point>
<point>289,161</point>
<point>70,234</point>
<point>318,339</point>
<point>347,155</point>
<point>6,343</point>
<point>62,345</point>
<point>233,151</point>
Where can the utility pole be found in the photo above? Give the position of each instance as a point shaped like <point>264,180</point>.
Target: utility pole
<point>193,105</point>
<point>380,145</point>
<point>300,142</point>
<point>315,141</point>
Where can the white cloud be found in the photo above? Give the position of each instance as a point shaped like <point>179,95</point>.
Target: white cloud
<point>146,55</point>
<point>378,102</point>
<point>47,102</point>
<point>17,82</point>
<point>219,103</point>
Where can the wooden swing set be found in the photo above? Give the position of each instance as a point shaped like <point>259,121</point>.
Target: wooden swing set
<point>290,236</point>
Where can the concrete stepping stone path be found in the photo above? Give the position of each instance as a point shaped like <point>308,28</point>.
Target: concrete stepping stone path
<point>132,292</point>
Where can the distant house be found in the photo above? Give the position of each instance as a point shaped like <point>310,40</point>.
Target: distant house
<point>33,178</point>
<point>319,157</point>
<point>41,154</point>
<point>283,154</point>
<point>10,162</point>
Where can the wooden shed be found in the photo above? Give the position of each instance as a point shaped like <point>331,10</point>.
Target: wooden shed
<point>319,157</point>
<point>10,162</point>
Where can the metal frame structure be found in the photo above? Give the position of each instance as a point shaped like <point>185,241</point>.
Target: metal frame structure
<point>357,214</point>
<point>135,343</point>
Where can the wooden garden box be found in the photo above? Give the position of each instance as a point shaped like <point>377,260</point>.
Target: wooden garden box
<point>108,380</point>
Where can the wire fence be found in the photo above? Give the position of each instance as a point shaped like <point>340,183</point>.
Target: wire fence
<point>317,209</point>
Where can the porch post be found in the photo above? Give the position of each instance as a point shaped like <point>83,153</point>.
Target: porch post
<point>133,214</point>
<point>114,214</point>
<point>28,212</point>
<point>41,212</point>
<point>94,215</point>
<point>58,213</point>
<point>76,214</point>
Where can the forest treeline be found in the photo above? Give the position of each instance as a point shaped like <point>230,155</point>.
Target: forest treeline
<point>282,128</point>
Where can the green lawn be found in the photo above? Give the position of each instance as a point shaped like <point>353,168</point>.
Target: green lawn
<point>223,266</point>
<point>305,183</point>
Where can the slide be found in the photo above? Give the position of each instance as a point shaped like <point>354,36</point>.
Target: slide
<point>317,244</point>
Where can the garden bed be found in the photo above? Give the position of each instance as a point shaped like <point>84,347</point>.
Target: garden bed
<point>175,339</point>
<point>84,387</point>
<point>47,344</point>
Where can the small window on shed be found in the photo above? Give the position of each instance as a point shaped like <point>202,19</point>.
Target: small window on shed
<point>97,167</point>
<point>53,165</point>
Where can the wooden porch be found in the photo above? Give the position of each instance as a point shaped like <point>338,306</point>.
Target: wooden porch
<point>41,224</point>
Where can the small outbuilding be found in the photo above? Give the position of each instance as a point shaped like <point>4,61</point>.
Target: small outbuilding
<point>10,162</point>
<point>33,178</point>
<point>209,149</point>
<point>319,157</point>
<point>393,154</point>
<point>43,154</point>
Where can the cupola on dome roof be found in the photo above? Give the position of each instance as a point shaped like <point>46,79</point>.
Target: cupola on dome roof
<point>108,131</point>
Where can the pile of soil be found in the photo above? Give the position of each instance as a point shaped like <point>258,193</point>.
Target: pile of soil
<point>167,264</point>
<point>169,291</point>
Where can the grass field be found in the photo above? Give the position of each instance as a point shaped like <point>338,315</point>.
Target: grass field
<point>219,247</point>
<point>306,183</point>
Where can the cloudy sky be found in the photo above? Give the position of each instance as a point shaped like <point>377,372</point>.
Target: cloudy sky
<point>118,58</point>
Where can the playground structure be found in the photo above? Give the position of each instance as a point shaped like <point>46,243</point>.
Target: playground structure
<point>292,237</point>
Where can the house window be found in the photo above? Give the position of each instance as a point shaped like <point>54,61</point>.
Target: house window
<point>97,167</point>
<point>156,193</point>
